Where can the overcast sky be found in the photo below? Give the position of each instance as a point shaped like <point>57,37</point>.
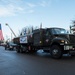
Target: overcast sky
<point>21,13</point>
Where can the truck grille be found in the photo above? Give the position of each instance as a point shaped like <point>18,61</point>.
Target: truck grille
<point>72,38</point>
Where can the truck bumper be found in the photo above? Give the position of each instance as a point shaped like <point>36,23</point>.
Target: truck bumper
<point>69,47</point>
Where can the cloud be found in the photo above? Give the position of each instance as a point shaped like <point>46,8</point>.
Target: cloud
<point>30,11</point>
<point>10,10</point>
<point>14,7</point>
<point>6,11</point>
<point>43,3</point>
<point>10,1</point>
<point>31,5</point>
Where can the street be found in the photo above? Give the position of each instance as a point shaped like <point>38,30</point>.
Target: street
<point>13,63</point>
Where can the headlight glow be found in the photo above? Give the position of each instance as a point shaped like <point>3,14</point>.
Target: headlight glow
<point>62,41</point>
<point>66,42</point>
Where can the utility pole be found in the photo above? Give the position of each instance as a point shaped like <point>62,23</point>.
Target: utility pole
<point>11,29</point>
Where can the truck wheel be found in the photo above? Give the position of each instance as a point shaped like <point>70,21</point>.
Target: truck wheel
<point>32,50</point>
<point>18,51</point>
<point>24,49</point>
<point>56,52</point>
<point>21,50</point>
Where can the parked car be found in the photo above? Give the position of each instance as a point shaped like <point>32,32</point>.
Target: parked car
<point>2,44</point>
<point>10,46</point>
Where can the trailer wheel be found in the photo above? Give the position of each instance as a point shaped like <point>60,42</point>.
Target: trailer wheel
<point>21,50</point>
<point>17,49</point>
<point>56,52</point>
<point>33,50</point>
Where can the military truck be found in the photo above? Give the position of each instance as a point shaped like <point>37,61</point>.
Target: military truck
<point>56,41</point>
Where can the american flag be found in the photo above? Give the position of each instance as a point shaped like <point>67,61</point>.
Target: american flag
<point>1,34</point>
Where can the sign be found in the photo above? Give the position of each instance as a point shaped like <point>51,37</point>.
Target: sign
<point>23,39</point>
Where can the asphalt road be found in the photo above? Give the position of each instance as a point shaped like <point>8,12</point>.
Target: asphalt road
<point>13,63</point>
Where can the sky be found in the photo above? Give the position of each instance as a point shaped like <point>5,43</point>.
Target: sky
<point>22,13</point>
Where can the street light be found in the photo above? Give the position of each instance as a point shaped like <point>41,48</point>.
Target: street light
<point>10,29</point>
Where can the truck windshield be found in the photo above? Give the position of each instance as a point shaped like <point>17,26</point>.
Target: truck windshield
<point>59,31</point>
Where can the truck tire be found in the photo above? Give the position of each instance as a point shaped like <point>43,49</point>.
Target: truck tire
<point>56,52</point>
<point>21,50</point>
<point>33,50</point>
<point>18,51</point>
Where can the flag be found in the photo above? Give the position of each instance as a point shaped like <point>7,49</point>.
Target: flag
<point>1,34</point>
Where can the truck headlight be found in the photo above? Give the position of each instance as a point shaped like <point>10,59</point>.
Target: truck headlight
<point>63,41</point>
<point>66,42</point>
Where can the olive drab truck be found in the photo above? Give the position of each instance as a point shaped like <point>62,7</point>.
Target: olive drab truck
<point>56,41</point>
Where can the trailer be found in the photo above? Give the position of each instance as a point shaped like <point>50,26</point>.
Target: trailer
<point>56,41</point>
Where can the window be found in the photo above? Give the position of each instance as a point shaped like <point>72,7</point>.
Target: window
<point>59,31</point>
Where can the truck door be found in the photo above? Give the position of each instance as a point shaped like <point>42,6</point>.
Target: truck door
<point>48,38</point>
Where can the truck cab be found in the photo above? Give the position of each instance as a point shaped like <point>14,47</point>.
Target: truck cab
<point>63,41</point>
